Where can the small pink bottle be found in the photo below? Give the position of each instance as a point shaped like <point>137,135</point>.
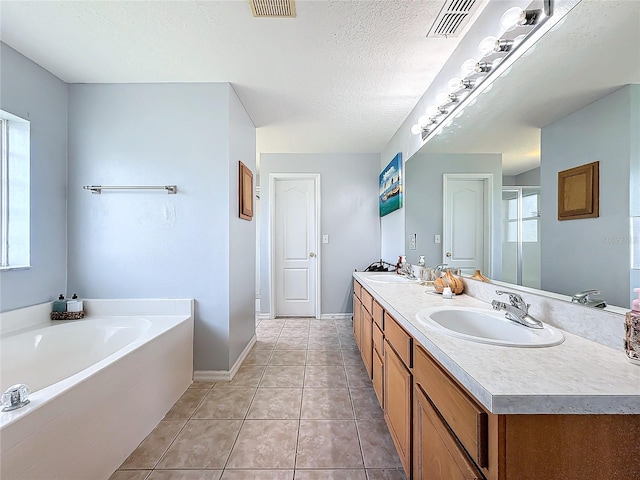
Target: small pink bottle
<point>632,331</point>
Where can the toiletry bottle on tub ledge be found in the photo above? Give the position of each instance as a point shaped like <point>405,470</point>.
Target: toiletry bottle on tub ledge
<point>632,331</point>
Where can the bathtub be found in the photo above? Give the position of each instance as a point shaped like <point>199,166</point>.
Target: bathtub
<point>99,386</point>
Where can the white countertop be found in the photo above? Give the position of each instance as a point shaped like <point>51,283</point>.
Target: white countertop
<point>578,376</point>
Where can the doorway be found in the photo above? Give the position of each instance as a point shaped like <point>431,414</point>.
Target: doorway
<point>467,222</point>
<point>295,227</point>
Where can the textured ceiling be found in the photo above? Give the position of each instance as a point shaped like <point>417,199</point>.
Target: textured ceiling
<point>594,51</point>
<point>340,77</point>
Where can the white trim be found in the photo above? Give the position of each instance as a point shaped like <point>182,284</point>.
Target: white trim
<point>336,316</point>
<point>487,179</point>
<point>224,375</point>
<point>317,248</point>
<point>264,316</point>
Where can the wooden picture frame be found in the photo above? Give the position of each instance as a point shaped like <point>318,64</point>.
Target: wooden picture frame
<point>579,192</point>
<point>245,192</point>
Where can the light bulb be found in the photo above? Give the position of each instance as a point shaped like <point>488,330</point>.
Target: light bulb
<point>431,111</point>
<point>443,98</point>
<point>511,19</point>
<point>487,46</point>
<point>416,129</point>
<point>423,121</point>
<point>455,84</point>
<point>469,66</point>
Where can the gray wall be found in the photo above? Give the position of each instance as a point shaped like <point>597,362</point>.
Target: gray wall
<point>349,215</point>
<point>424,209</point>
<point>150,244</point>
<point>30,92</point>
<point>242,233</point>
<point>593,252</point>
<point>529,178</point>
<point>634,177</point>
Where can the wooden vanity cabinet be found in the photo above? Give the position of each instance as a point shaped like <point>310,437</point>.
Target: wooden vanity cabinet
<point>398,388</point>
<point>357,319</point>
<point>366,341</point>
<point>378,363</point>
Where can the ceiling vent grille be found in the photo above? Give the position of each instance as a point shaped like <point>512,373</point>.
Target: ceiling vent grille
<point>452,18</point>
<point>273,8</point>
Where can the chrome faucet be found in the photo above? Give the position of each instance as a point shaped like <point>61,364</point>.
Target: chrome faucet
<point>585,298</point>
<point>15,397</point>
<point>407,270</point>
<point>517,311</point>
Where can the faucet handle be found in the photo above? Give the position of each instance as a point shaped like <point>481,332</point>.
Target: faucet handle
<point>15,397</point>
<point>516,300</point>
<point>584,296</point>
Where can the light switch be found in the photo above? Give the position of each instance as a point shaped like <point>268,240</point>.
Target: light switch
<point>436,239</point>
<point>325,238</point>
<point>412,241</point>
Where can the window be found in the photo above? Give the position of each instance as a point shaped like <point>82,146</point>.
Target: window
<point>14,191</point>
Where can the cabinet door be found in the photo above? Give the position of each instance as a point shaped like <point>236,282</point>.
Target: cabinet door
<point>366,341</point>
<point>378,374</point>
<point>397,404</point>
<point>357,319</point>
<point>437,455</point>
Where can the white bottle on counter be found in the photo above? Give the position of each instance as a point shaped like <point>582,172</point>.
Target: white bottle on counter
<point>75,304</point>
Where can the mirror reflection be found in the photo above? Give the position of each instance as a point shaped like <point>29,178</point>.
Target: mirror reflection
<point>485,191</point>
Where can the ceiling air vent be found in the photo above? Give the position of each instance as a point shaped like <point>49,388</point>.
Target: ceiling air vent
<point>452,18</point>
<point>273,8</point>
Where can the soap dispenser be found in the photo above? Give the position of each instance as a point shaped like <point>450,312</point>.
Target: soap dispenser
<point>59,305</point>
<point>75,304</point>
<point>632,331</point>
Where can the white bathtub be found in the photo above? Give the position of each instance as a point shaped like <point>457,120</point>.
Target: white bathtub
<point>99,386</point>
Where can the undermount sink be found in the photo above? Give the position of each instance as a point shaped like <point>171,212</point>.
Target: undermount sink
<point>487,326</point>
<point>390,278</point>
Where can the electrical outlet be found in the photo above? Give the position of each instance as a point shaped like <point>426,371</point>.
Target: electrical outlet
<point>436,239</point>
<point>325,238</point>
<point>412,241</point>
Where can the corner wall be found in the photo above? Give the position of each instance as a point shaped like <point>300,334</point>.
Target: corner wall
<point>30,92</point>
<point>349,215</point>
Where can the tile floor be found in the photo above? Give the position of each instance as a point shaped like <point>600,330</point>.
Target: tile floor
<point>300,407</point>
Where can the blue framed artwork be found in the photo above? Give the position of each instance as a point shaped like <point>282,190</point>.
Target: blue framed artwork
<point>391,186</point>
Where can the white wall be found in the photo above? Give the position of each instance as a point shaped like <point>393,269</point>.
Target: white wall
<point>349,215</point>
<point>150,244</point>
<point>592,252</point>
<point>424,196</point>
<point>30,92</point>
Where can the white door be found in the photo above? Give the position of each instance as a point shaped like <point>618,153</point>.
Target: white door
<point>295,246</point>
<point>467,222</point>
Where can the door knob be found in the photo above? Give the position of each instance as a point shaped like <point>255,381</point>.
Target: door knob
<point>312,254</point>
<point>448,255</point>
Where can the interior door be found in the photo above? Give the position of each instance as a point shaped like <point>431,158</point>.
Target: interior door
<point>467,227</point>
<point>295,242</point>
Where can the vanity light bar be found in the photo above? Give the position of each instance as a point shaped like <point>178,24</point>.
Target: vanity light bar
<point>485,72</point>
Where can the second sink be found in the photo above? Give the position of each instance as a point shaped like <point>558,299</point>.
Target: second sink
<point>486,326</point>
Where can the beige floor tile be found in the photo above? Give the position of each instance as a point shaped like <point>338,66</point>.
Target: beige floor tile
<point>326,403</point>
<point>386,474</point>
<point>205,385</point>
<point>357,376</point>
<point>342,474</point>
<point>266,343</point>
<point>186,404</point>
<point>276,404</point>
<point>153,447</point>
<point>258,357</point>
<point>265,444</point>
<point>185,475</point>
<point>347,342</point>
<point>202,444</point>
<point>272,322</point>
<point>294,332</point>
<point>296,322</point>
<point>328,444</point>
<point>324,357</point>
<point>283,376</point>
<point>130,475</point>
<point>225,402</point>
<point>257,475</point>
<point>322,326</point>
<point>292,343</point>
<point>351,356</point>
<point>323,376</point>
<point>288,357</point>
<point>247,376</point>
<point>323,343</point>
<point>365,403</point>
<point>377,446</point>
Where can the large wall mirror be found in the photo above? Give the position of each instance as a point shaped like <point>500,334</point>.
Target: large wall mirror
<point>572,100</point>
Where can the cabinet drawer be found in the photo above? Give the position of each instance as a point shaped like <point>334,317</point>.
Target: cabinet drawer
<point>378,374</point>
<point>378,340</point>
<point>378,315</point>
<point>464,416</point>
<point>367,301</point>
<point>400,340</point>
<point>437,454</point>
<point>357,288</point>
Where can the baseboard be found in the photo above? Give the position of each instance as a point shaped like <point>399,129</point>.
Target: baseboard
<point>336,316</point>
<point>264,316</point>
<point>224,375</point>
